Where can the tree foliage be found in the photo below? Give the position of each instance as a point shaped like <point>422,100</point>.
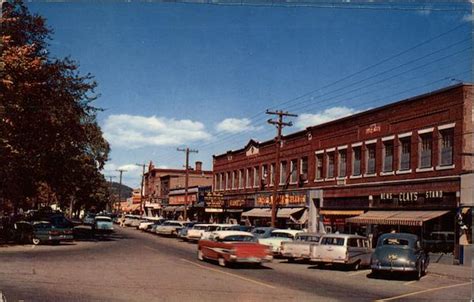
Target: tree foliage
<point>49,136</point>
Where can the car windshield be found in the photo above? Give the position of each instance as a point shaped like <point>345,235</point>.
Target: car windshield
<point>239,238</point>
<point>332,241</point>
<point>395,241</point>
<point>281,235</point>
<point>103,219</point>
<point>307,238</point>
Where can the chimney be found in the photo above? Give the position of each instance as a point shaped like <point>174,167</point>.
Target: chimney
<point>198,165</point>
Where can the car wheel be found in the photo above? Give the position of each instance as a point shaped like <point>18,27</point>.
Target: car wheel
<point>291,259</point>
<point>375,273</point>
<point>200,255</point>
<point>222,262</point>
<point>356,266</point>
<point>36,241</point>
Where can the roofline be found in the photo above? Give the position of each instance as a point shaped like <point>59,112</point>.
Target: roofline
<point>178,171</point>
<point>383,107</point>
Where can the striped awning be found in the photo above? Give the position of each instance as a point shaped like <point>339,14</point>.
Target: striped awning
<point>267,212</point>
<point>341,212</point>
<point>411,218</point>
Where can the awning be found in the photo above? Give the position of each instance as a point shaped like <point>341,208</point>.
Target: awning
<point>234,210</point>
<point>169,209</point>
<point>412,218</point>
<point>211,210</point>
<point>302,219</point>
<point>267,212</point>
<point>342,212</point>
<point>153,205</point>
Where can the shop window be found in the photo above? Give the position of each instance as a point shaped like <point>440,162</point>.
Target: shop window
<point>272,174</point>
<point>405,153</point>
<point>304,168</point>
<point>241,179</point>
<point>319,166</point>
<point>247,179</point>
<point>426,150</point>
<point>330,165</point>
<point>356,161</point>
<point>283,166</point>
<point>342,163</point>
<point>388,156</point>
<point>256,177</point>
<point>446,147</point>
<point>371,149</point>
<point>294,171</point>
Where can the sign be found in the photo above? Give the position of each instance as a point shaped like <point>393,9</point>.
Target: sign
<point>179,199</point>
<point>235,203</point>
<point>411,198</point>
<point>214,200</point>
<point>373,128</point>
<point>284,200</point>
<point>252,151</point>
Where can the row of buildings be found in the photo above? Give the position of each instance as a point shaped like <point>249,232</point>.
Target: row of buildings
<point>406,166</point>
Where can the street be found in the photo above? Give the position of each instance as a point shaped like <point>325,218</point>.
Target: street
<point>137,266</point>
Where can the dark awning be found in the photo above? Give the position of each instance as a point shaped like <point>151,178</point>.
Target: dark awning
<point>412,218</point>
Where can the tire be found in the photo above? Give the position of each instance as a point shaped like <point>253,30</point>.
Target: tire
<point>35,241</point>
<point>291,259</point>
<point>55,242</point>
<point>355,266</point>
<point>375,273</point>
<point>222,262</point>
<point>200,255</point>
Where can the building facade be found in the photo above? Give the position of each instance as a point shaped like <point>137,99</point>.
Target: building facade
<point>405,165</point>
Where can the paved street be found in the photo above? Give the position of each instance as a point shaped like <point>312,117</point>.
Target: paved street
<point>136,266</point>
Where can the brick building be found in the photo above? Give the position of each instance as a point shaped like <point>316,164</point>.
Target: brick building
<point>406,165</point>
<point>159,182</point>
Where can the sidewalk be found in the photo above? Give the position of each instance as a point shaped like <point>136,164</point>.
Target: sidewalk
<point>458,272</point>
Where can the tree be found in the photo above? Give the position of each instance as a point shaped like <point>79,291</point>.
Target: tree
<point>49,136</point>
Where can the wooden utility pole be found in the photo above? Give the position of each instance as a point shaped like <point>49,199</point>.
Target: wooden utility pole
<point>186,179</point>
<point>111,200</point>
<point>141,188</point>
<point>120,188</point>
<point>276,178</point>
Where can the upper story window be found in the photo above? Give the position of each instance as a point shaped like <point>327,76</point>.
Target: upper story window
<point>388,156</point>
<point>426,150</point>
<point>294,171</point>
<point>265,175</point>
<point>405,153</point>
<point>227,180</point>
<point>217,182</point>
<point>241,179</point>
<point>272,174</point>
<point>356,161</point>
<point>233,180</point>
<point>446,147</point>
<point>283,167</point>
<point>319,166</point>
<point>248,182</point>
<point>304,168</point>
<point>371,152</point>
<point>256,177</point>
<point>330,165</point>
<point>342,163</point>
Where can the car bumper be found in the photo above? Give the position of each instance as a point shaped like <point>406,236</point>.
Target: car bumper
<point>389,268</point>
<point>291,255</point>
<point>235,259</point>
<point>61,238</point>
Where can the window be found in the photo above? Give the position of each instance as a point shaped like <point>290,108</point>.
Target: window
<point>217,182</point>
<point>247,178</point>
<point>265,173</point>
<point>446,147</point>
<point>294,171</point>
<point>233,180</point>
<point>370,159</point>
<point>227,180</point>
<point>388,156</point>
<point>426,148</point>
<point>356,161</point>
<point>342,163</point>
<point>405,153</point>
<point>319,166</point>
<point>283,166</point>
<point>241,179</point>
<point>330,165</point>
<point>272,174</point>
<point>256,177</point>
<point>304,167</point>
<point>332,241</point>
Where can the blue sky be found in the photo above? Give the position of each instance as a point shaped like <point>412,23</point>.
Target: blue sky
<point>173,75</point>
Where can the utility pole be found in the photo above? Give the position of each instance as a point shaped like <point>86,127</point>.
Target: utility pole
<point>111,201</point>
<point>186,179</point>
<point>141,187</point>
<point>279,124</point>
<point>120,187</point>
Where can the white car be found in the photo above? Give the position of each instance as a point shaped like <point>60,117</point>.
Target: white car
<point>195,233</point>
<point>216,227</point>
<point>169,227</point>
<point>130,220</point>
<point>148,221</point>
<point>277,237</point>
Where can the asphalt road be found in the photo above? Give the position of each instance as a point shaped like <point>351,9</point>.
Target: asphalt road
<point>136,266</point>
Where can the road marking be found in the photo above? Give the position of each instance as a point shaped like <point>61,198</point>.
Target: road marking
<point>229,274</point>
<point>423,291</point>
<point>358,272</point>
<point>410,282</point>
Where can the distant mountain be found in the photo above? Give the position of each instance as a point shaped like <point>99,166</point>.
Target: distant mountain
<point>126,190</point>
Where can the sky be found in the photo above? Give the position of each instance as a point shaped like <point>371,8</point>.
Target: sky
<point>187,74</point>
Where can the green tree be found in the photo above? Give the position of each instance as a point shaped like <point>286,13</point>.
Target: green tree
<point>48,129</point>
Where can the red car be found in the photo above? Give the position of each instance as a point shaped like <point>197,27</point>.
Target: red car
<point>233,247</point>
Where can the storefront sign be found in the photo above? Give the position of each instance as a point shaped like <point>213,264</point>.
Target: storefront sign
<point>179,199</point>
<point>214,200</point>
<point>425,198</point>
<point>284,200</point>
<point>236,203</point>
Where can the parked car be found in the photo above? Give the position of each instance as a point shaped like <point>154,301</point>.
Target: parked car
<point>300,248</point>
<point>277,237</point>
<point>169,227</point>
<point>89,219</point>
<point>103,225</point>
<point>351,250</point>
<point>399,252</point>
<point>131,220</point>
<point>217,227</point>
<point>242,228</point>
<point>21,232</point>
<point>45,231</point>
<point>233,247</point>
<point>182,232</point>
<point>439,242</point>
<point>262,232</point>
<point>152,227</point>
<point>148,221</point>
<point>195,233</point>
